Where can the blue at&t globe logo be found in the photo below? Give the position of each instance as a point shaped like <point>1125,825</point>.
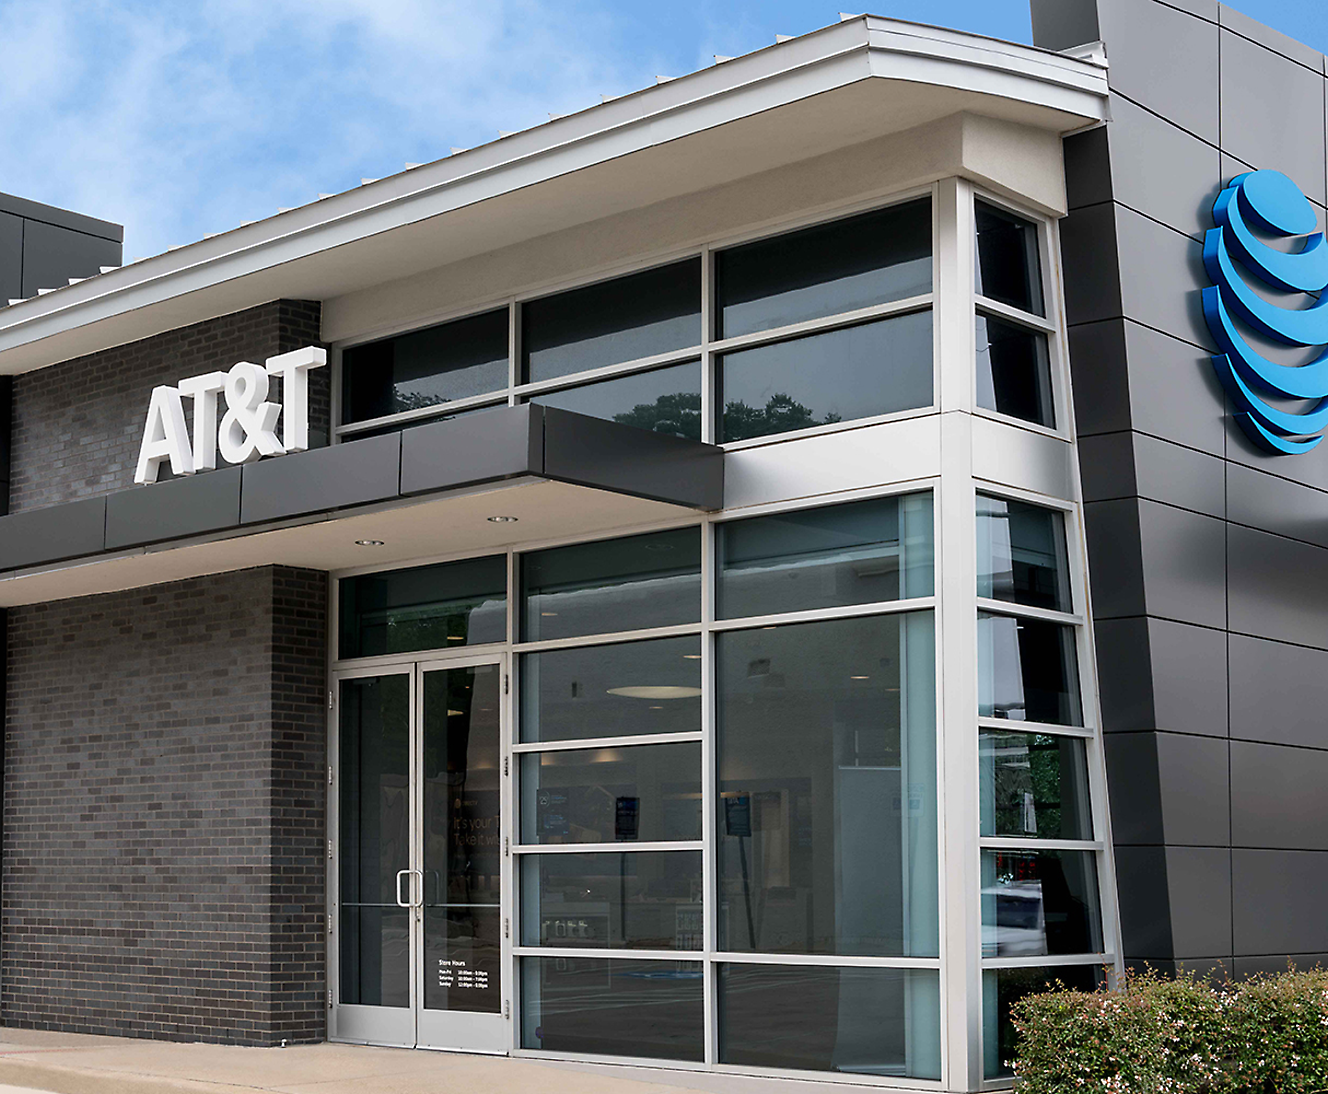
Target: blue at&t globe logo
<point>1271,205</point>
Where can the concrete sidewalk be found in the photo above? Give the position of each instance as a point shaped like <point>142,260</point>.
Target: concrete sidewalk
<point>71,1063</point>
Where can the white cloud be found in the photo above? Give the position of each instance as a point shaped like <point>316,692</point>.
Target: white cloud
<point>181,119</point>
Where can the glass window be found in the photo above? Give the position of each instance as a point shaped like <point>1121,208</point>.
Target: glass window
<point>425,367</point>
<point>625,319</point>
<point>826,821</point>
<point>1027,671</point>
<point>1021,554</point>
<point>1014,371</point>
<point>839,375</point>
<point>374,813</point>
<point>663,400</point>
<point>1009,269</point>
<point>858,1021</point>
<point>852,263</point>
<point>612,585</point>
<point>1040,902</point>
<point>1033,784</point>
<point>642,900</point>
<point>606,795</point>
<point>1002,988</point>
<point>613,1007</point>
<point>622,690</point>
<point>858,553</point>
<point>424,608</point>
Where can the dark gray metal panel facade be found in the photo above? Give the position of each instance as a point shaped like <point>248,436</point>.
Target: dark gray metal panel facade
<point>497,444</point>
<point>42,247</point>
<point>323,478</point>
<point>612,456</point>
<point>175,509</point>
<point>1208,557</point>
<point>11,257</point>
<point>48,535</point>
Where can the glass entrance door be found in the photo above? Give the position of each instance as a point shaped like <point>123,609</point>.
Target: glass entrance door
<point>420,867</point>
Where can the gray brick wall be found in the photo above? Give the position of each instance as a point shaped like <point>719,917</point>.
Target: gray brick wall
<point>77,425</point>
<point>165,770</point>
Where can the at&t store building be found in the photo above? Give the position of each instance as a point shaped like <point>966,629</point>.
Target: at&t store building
<point>749,578</point>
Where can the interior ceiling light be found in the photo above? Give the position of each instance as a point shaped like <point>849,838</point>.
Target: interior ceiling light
<point>859,677</point>
<point>656,691</point>
<point>502,520</point>
<point>369,543</point>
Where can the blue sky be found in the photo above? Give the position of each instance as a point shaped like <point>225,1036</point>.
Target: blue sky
<point>180,119</point>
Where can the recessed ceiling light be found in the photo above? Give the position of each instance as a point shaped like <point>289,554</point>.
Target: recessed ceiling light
<point>548,615</point>
<point>691,657</point>
<point>502,520</point>
<point>656,691</point>
<point>859,677</point>
<point>369,543</point>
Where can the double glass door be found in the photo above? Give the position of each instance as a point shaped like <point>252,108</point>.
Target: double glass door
<point>419,933</point>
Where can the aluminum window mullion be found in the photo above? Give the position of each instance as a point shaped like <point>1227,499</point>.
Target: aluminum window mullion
<point>709,787</point>
<point>818,615</point>
<point>1026,843</point>
<point>544,645</point>
<point>1049,729</point>
<point>839,961</point>
<point>1028,611</point>
<point>1034,961</point>
<point>604,848</point>
<point>626,741</point>
<point>1017,316</point>
<point>921,302</point>
<point>606,372</point>
<point>612,953</point>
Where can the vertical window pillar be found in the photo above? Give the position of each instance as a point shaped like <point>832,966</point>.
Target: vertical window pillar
<point>961,942</point>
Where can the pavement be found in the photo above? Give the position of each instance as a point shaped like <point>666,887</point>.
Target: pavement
<point>40,1062</point>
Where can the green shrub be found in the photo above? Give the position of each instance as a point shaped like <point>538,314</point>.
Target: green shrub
<point>1155,1035</point>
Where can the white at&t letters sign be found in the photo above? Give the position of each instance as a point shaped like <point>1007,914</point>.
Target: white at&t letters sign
<point>248,427</point>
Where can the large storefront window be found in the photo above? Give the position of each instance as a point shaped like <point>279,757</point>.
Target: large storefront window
<point>810,328</point>
<point>1041,863</point>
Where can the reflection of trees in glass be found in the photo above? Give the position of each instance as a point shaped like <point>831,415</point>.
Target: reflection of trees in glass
<point>413,400</point>
<point>781,414</point>
<point>1036,772</point>
<point>678,414</point>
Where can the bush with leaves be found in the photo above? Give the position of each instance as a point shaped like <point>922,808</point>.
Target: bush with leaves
<point>1155,1035</point>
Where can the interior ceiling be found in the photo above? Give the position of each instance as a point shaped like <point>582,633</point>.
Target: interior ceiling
<point>455,524</point>
<point>807,127</point>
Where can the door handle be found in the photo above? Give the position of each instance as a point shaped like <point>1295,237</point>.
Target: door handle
<point>419,903</point>
<point>400,874</point>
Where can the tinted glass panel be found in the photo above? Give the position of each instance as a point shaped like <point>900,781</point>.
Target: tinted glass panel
<point>424,608</point>
<point>643,900</point>
<point>612,691</point>
<point>859,553</point>
<point>425,367</point>
<point>620,320</point>
<point>606,795</point>
<point>827,776</point>
<point>1014,371</point>
<point>855,372</point>
<point>1021,554</point>
<point>832,268</point>
<point>1002,988</point>
<point>1034,785</point>
<point>664,400</point>
<point>1009,269</point>
<point>462,881</point>
<point>609,1007</point>
<point>858,1021</point>
<point>1039,902</point>
<point>1027,671</point>
<point>373,822</point>
<point>612,585</point>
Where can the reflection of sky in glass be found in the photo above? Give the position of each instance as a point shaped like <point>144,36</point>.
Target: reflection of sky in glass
<point>1026,671</point>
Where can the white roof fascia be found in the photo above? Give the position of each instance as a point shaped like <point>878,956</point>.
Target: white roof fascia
<point>823,60</point>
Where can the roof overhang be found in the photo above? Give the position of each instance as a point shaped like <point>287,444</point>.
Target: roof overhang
<point>421,492</point>
<point>860,79</point>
